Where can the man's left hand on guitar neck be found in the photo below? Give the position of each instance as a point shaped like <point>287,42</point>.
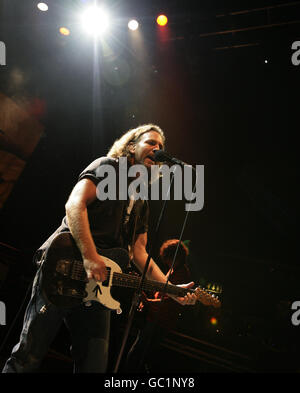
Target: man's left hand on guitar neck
<point>190,298</point>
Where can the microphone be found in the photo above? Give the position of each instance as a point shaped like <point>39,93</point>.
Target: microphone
<point>163,156</point>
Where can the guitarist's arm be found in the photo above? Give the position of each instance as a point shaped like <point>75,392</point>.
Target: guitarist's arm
<point>140,256</point>
<point>81,196</point>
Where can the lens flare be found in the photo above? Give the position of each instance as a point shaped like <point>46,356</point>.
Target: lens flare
<point>64,31</point>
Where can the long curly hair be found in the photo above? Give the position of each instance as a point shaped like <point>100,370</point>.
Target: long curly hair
<point>120,148</point>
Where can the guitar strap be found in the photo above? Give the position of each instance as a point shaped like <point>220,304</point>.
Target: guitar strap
<point>128,211</point>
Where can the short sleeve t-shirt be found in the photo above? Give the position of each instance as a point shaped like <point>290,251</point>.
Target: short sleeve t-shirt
<point>111,223</point>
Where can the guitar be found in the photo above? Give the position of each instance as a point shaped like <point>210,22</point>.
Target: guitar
<point>64,281</point>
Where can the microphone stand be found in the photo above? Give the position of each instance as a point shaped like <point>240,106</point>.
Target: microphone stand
<point>137,293</point>
<point>163,292</point>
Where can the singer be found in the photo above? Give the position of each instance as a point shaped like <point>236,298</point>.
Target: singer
<point>93,225</point>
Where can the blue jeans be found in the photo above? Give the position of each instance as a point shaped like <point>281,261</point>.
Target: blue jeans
<point>89,326</point>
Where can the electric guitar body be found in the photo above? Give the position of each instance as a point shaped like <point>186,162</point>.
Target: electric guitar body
<point>64,281</point>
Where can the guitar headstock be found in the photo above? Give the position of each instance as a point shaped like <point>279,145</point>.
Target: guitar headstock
<point>207,298</point>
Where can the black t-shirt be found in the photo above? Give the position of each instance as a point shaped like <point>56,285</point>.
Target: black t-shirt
<point>108,224</point>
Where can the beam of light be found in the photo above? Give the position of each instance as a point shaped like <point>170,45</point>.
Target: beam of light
<point>133,24</point>
<point>42,6</point>
<point>95,20</point>
<point>137,46</point>
<point>162,20</point>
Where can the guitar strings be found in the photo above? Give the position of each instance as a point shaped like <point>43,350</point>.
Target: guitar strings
<point>127,280</point>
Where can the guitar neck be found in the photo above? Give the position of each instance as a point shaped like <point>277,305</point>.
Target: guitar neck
<point>129,281</point>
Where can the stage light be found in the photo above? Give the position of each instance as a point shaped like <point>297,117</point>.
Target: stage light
<point>133,24</point>
<point>42,6</point>
<point>162,20</point>
<point>95,20</point>
<point>64,31</point>
<point>213,321</point>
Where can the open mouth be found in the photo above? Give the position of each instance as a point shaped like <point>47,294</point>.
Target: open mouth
<point>151,158</point>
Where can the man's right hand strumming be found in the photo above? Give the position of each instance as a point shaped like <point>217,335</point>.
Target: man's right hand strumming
<point>95,268</point>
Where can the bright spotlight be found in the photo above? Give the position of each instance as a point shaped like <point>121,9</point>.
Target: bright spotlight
<point>42,6</point>
<point>95,20</point>
<point>133,24</point>
<point>162,20</point>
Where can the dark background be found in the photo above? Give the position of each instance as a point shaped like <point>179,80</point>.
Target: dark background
<point>205,82</point>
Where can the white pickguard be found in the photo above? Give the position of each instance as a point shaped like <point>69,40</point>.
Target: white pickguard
<point>101,293</point>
